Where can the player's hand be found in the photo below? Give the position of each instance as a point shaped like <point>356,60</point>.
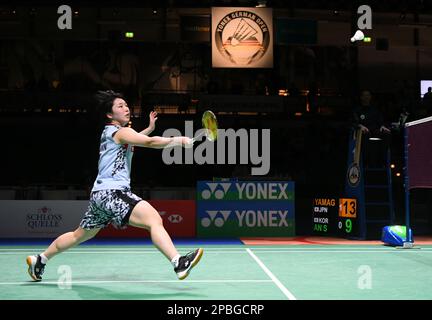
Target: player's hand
<point>152,120</point>
<point>385,129</point>
<point>187,142</point>
<point>363,128</point>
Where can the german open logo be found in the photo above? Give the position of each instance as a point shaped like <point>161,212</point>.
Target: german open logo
<point>242,37</point>
<point>353,175</point>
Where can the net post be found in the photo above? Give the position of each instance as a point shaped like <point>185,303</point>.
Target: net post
<point>406,186</point>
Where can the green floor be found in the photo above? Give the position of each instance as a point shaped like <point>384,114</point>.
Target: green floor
<point>225,272</point>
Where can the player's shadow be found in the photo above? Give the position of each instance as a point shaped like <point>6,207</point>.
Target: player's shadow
<point>92,292</point>
<point>88,292</point>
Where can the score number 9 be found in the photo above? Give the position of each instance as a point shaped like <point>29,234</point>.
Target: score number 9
<point>348,225</point>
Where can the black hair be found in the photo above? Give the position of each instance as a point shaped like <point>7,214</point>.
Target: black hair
<point>105,102</point>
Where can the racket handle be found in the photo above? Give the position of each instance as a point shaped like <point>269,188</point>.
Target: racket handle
<point>198,136</point>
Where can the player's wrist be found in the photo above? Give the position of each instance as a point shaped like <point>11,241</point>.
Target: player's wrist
<point>177,141</point>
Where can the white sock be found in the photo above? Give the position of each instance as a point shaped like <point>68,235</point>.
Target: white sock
<point>175,260</point>
<point>44,259</point>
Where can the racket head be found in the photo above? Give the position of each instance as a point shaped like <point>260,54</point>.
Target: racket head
<point>210,124</point>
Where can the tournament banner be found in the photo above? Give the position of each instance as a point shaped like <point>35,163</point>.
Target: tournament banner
<point>245,190</point>
<point>242,37</point>
<point>245,219</point>
<point>51,218</point>
<point>39,218</point>
<point>178,218</point>
<point>245,209</point>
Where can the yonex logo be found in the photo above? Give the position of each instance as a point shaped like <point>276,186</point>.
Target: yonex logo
<point>247,218</point>
<point>219,193</point>
<point>218,221</point>
<point>247,191</point>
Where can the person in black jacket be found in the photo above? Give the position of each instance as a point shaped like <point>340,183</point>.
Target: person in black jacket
<point>368,118</point>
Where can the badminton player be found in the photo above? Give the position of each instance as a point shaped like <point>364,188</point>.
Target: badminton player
<point>111,199</point>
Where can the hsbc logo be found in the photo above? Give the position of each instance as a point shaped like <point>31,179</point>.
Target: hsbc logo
<point>173,218</point>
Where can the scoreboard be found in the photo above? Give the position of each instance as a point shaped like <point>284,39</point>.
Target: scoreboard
<point>347,217</point>
<point>335,217</point>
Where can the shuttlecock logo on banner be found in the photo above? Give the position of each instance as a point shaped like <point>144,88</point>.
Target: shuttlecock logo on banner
<point>242,37</point>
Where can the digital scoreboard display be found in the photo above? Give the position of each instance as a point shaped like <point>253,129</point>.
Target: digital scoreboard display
<point>335,217</point>
<point>324,215</point>
<point>347,217</point>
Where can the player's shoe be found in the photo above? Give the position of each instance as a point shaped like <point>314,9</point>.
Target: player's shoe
<point>35,267</point>
<point>187,262</point>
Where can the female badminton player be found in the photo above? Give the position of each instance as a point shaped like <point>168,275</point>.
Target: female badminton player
<point>111,199</point>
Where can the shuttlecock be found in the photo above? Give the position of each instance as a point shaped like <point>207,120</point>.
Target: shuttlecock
<point>358,36</point>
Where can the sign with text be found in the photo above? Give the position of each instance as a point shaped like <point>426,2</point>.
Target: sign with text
<point>178,218</point>
<point>245,208</point>
<point>39,218</point>
<point>51,218</point>
<point>242,37</point>
<point>332,216</point>
<point>324,215</point>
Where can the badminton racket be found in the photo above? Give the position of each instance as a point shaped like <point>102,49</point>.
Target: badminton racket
<point>210,126</point>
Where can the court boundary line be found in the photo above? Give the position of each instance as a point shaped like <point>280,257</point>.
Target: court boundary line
<point>117,248</point>
<point>325,248</point>
<point>119,252</point>
<point>80,282</point>
<point>276,281</point>
<point>12,252</point>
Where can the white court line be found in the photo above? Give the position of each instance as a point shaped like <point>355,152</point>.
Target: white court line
<point>121,252</point>
<point>285,291</point>
<point>137,281</point>
<point>180,247</point>
<point>342,251</point>
<point>226,252</point>
<point>220,248</point>
<point>119,248</point>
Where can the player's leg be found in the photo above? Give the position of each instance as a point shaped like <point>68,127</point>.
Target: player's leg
<point>69,240</point>
<point>94,219</point>
<point>36,264</point>
<point>145,216</point>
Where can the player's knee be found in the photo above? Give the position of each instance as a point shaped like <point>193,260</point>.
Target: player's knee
<point>156,219</point>
<point>88,236</point>
<point>82,235</point>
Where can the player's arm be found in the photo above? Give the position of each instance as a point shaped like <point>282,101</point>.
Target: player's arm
<point>152,124</point>
<point>130,136</point>
<point>147,131</point>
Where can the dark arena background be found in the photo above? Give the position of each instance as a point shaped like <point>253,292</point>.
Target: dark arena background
<point>317,188</point>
